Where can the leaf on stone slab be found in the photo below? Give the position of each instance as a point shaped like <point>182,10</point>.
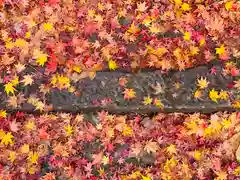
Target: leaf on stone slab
<point>27,80</point>
<point>12,101</point>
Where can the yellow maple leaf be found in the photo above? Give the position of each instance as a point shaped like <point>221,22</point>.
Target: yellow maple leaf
<point>33,157</point>
<point>15,81</point>
<point>170,164</point>
<point>220,50</point>
<point>101,6</point>
<point>228,5</point>
<point>77,69</point>
<point>160,51</point>
<point>223,95</point>
<point>197,155</point>
<point>127,130</point>
<point>202,42</point>
<point>226,123</point>
<point>20,43</point>
<point>194,50</point>
<point>187,36</point>
<point>54,80</point>
<point>91,13</point>
<point>47,26</point>
<point>7,139</point>
<point>69,130</point>
<point>147,21</point>
<point>213,95</point>
<point>112,65</point>
<point>30,125</point>
<point>147,100</point>
<point>198,94</point>
<point>178,2</point>
<point>236,171</point>
<point>63,81</point>
<point>133,29</point>
<point>192,127</point>
<point>9,45</point>
<point>101,171</point>
<point>146,178</point>
<point>177,53</point>
<point>171,149</point>
<point>27,80</point>
<point>202,83</point>
<point>185,7</point>
<point>8,88</point>
<point>154,29</point>
<point>39,106</point>
<point>2,133</point>
<point>24,149</point>
<point>3,113</point>
<point>12,156</point>
<point>32,169</point>
<point>28,35</point>
<point>42,60</point>
<point>222,175</point>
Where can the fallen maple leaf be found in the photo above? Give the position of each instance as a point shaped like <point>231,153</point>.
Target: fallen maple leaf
<point>27,80</point>
<point>222,175</point>
<point>171,149</point>
<point>214,96</point>
<point>19,67</point>
<point>9,88</point>
<point>112,65</point>
<point>51,66</point>
<point>151,147</point>
<point>228,5</point>
<point>141,7</point>
<point>7,139</point>
<point>14,126</point>
<point>202,83</point>
<point>6,60</point>
<point>215,23</point>
<point>129,93</point>
<point>12,101</point>
<point>147,100</point>
<point>3,114</point>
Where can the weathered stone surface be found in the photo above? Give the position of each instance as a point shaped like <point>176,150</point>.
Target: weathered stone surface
<point>174,89</point>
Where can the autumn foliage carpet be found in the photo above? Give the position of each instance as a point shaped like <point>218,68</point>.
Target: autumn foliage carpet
<point>108,146</point>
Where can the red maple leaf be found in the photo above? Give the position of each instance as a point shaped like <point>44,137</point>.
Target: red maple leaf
<point>90,28</point>
<point>110,147</point>
<point>43,134</point>
<point>51,66</point>
<point>53,2</point>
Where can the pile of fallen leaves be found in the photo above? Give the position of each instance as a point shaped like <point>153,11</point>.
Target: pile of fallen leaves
<point>76,36</point>
<point>108,146</point>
